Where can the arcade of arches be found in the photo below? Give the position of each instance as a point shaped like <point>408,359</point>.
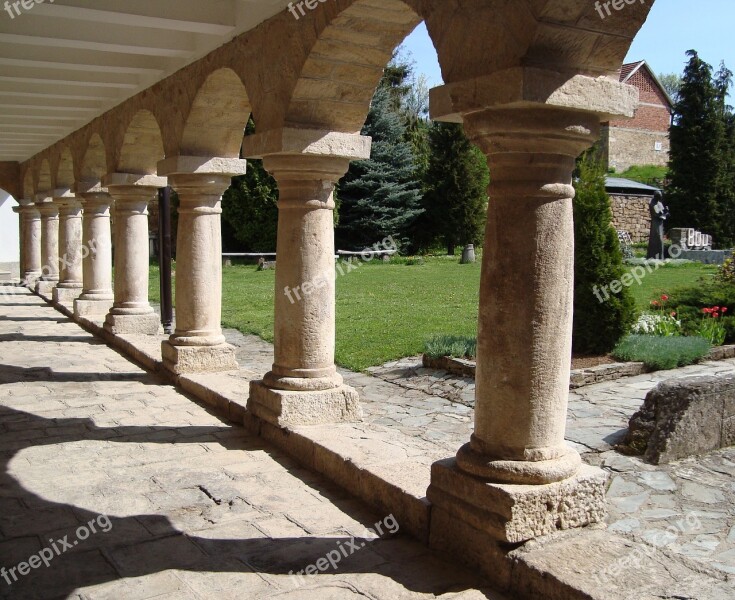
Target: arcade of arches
<point>530,79</point>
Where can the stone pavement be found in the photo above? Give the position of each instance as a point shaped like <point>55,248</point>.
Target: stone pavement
<point>687,507</point>
<point>129,489</point>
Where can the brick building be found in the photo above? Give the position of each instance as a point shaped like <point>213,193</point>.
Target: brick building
<point>643,140</point>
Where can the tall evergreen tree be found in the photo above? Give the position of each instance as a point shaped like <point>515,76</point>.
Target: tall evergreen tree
<point>601,316</point>
<point>699,145</point>
<point>380,197</point>
<point>457,180</point>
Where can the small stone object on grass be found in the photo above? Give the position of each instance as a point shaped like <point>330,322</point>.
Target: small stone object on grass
<point>266,265</point>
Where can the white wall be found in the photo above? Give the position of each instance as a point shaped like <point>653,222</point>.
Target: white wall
<point>9,243</point>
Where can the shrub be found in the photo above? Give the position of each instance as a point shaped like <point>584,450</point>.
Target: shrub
<point>662,353</point>
<point>726,273</point>
<point>451,345</point>
<point>598,326</point>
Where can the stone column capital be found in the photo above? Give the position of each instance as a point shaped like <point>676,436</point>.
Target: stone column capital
<point>310,142</point>
<point>133,193</point>
<point>99,199</point>
<point>603,97</point>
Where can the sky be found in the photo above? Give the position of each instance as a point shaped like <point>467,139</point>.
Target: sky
<point>673,27</point>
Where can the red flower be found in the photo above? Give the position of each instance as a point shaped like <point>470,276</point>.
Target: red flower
<point>655,303</point>
<point>673,313</point>
<point>664,298</point>
<point>706,311</point>
<point>724,309</point>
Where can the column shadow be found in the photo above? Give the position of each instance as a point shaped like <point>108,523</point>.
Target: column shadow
<point>145,544</point>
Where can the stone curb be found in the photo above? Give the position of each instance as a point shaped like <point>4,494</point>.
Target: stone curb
<point>579,377</point>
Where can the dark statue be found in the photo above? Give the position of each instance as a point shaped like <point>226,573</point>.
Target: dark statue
<point>659,216</point>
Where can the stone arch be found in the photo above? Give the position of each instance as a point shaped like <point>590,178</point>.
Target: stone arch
<point>44,177</point>
<point>65,169</point>
<point>345,64</point>
<point>217,118</point>
<point>94,163</point>
<point>142,145</point>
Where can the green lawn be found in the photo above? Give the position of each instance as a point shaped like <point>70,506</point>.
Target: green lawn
<point>388,311</point>
<point>666,279</point>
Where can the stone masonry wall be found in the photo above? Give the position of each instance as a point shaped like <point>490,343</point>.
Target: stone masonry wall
<point>631,214</point>
<point>628,147</point>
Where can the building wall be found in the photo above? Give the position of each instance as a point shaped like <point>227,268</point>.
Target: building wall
<point>634,141</point>
<point>653,113</point>
<point>628,147</point>
<point>631,214</point>
<point>9,243</point>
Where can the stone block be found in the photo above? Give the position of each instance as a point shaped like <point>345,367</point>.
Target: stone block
<point>92,308</point>
<point>149,324</point>
<point>66,295</point>
<point>45,289</point>
<point>683,417</point>
<point>287,409</point>
<point>517,513</point>
<point>198,359</point>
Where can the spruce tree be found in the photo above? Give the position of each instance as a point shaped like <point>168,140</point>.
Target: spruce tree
<point>457,180</point>
<point>381,197</point>
<point>697,161</point>
<point>601,317</point>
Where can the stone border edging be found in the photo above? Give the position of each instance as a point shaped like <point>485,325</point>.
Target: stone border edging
<point>579,377</point>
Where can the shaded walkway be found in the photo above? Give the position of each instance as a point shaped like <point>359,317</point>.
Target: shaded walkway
<point>196,507</point>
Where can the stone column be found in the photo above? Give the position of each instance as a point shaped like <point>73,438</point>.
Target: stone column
<point>49,245</point>
<point>517,456</point>
<point>70,248</point>
<point>97,297</point>
<point>197,344</point>
<point>30,256</point>
<point>131,311</point>
<point>303,386</point>
<point>18,211</point>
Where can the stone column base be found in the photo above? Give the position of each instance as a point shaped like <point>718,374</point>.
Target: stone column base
<point>45,289</point>
<point>288,409</point>
<point>198,359</point>
<point>148,324</point>
<point>66,295</point>
<point>515,513</point>
<point>91,308</point>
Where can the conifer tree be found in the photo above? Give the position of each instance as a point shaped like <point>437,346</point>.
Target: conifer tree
<point>381,197</point>
<point>699,148</point>
<point>601,316</point>
<point>456,185</point>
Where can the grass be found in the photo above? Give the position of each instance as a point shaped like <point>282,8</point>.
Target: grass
<point>384,311</point>
<point>644,173</point>
<point>662,353</point>
<point>666,279</point>
<point>388,311</point>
